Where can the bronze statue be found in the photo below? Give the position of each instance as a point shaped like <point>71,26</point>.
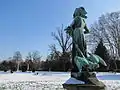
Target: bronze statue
<point>82,61</point>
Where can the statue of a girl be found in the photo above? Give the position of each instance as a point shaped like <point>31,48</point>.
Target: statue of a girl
<point>76,31</point>
<point>80,61</point>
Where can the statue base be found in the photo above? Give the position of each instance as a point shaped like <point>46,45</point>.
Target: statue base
<point>83,87</point>
<point>84,81</point>
<point>87,77</point>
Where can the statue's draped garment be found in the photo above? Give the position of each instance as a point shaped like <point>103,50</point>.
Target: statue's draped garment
<point>78,38</point>
<point>78,35</point>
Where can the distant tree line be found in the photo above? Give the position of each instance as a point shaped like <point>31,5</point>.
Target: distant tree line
<point>16,63</point>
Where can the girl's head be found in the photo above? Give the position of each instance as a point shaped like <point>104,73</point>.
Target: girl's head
<point>80,12</point>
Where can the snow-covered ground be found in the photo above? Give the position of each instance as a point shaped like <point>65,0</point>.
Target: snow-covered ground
<point>49,80</point>
<point>111,80</point>
<point>31,81</point>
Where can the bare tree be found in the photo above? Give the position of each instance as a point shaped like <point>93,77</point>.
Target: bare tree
<point>54,51</point>
<point>107,28</point>
<point>63,39</point>
<point>28,60</point>
<point>35,57</point>
<point>18,58</point>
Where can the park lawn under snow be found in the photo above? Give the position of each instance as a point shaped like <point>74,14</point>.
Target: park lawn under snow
<point>45,81</point>
<point>31,81</point>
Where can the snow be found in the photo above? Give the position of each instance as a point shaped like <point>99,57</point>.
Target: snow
<point>50,80</point>
<point>112,84</point>
<point>74,81</point>
<point>111,80</point>
<point>32,81</point>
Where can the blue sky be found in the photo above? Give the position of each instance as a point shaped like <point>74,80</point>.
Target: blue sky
<point>26,25</point>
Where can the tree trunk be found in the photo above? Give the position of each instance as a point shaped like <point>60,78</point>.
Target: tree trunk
<point>18,66</point>
<point>115,65</point>
<point>27,67</point>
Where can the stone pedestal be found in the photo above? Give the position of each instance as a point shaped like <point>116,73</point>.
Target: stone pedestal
<point>74,84</point>
<point>83,87</point>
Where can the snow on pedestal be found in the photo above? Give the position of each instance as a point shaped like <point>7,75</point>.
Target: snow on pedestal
<point>74,81</point>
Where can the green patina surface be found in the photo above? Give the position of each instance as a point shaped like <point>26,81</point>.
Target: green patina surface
<point>79,52</point>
